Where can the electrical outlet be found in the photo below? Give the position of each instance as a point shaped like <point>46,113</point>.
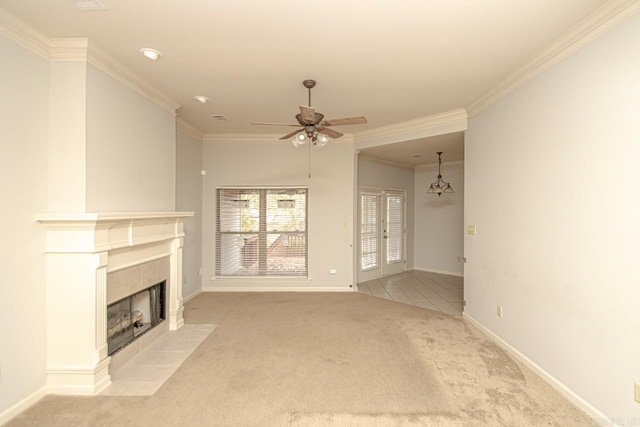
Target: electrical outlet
<point>499,311</point>
<point>636,392</point>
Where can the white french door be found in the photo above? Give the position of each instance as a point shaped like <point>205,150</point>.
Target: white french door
<point>381,233</point>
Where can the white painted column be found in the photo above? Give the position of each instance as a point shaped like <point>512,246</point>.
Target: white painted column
<point>68,134</point>
<point>176,307</point>
<point>77,361</point>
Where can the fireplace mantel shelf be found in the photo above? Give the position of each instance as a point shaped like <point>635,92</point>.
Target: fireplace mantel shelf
<point>103,231</point>
<point>64,217</point>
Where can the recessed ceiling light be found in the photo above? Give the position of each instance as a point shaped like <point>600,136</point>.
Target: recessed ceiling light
<point>415,155</point>
<point>152,54</point>
<point>201,99</point>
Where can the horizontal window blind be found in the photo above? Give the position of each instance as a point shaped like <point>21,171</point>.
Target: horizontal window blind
<point>395,226</point>
<point>369,244</point>
<point>261,232</point>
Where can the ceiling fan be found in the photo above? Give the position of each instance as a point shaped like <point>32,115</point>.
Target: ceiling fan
<point>312,125</point>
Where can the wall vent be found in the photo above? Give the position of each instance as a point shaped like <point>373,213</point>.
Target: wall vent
<point>219,117</point>
<point>89,5</point>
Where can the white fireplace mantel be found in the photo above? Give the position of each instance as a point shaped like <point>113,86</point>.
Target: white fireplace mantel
<point>81,248</point>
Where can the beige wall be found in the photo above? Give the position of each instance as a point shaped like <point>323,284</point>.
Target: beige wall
<point>439,228</point>
<point>331,201</point>
<point>372,173</point>
<point>552,183</point>
<point>131,149</point>
<point>189,199</point>
<point>24,122</point>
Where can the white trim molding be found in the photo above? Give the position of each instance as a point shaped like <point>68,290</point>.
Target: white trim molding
<point>26,36</point>
<point>25,403</point>
<point>602,20</point>
<point>437,124</point>
<point>188,129</point>
<point>120,73</point>
<point>569,394</point>
<point>191,296</point>
<point>69,49</point>
<point>278,289</point>
<point>79,50</point>
<point>431,270</point>
<point>362,155</point>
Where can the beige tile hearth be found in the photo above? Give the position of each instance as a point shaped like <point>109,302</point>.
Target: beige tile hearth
<point>144,374</point>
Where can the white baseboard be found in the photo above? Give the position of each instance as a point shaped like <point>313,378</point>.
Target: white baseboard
<point>278,289</point>
<point>191,296</point>
<point>430,270</point>
<point>598,417</point>
<point>7,415</point>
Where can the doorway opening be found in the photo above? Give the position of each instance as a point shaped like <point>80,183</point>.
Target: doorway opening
<point>382,233</point>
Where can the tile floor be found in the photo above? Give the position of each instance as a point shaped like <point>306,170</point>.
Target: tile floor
<point>145,373</point>
<point>424,289</point>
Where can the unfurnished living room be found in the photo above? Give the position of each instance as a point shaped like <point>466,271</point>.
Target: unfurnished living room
<point>356,213</point>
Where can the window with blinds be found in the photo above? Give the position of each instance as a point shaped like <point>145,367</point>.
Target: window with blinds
<point>395,228</point>
<point>369,244</point>
<point>261,232</point>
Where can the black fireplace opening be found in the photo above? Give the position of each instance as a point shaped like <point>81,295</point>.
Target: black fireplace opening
<point>133,316</point>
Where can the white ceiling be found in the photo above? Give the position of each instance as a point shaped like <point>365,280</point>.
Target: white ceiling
<point>390,61</point>
<point>420,151</point>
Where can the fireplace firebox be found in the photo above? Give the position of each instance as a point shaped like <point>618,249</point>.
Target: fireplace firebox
<point>133,316</point>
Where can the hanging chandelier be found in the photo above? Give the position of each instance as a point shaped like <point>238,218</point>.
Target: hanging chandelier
<point>439,186</point>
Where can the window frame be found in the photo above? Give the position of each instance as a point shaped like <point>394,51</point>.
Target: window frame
<point>264,233</point>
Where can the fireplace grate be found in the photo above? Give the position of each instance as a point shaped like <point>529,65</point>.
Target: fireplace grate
<point>133,316</point>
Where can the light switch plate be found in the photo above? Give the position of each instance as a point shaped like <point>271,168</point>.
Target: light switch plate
<point>636,392</point>
<point>471,229</point>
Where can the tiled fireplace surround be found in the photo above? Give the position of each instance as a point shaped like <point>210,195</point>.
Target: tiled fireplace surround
<point>92,260</point>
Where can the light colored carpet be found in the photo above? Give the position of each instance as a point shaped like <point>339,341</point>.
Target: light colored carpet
<point>320,359</point>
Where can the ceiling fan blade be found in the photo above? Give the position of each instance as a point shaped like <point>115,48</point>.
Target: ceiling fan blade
<point>308,114</point>
<point>330,132</point>
<point>273,124</point>
<point>346,121</point>
<point>289,135</point>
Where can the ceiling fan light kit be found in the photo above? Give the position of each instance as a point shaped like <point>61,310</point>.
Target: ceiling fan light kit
<point>312,126</point>
<point>439,186</point>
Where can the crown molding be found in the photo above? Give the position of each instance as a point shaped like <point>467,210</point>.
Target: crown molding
<point>68,49</point>
<point>185,127</point>
<point>362,155</point>
<point>437,124</point>
<point>598,23</point>
<point>430,165</point>
<point>26,36</point>
<point>78,50</point>
<point>259,138</point>
<point>110,66</point>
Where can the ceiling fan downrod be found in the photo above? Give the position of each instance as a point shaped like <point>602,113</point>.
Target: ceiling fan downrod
<point>309,84</point>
